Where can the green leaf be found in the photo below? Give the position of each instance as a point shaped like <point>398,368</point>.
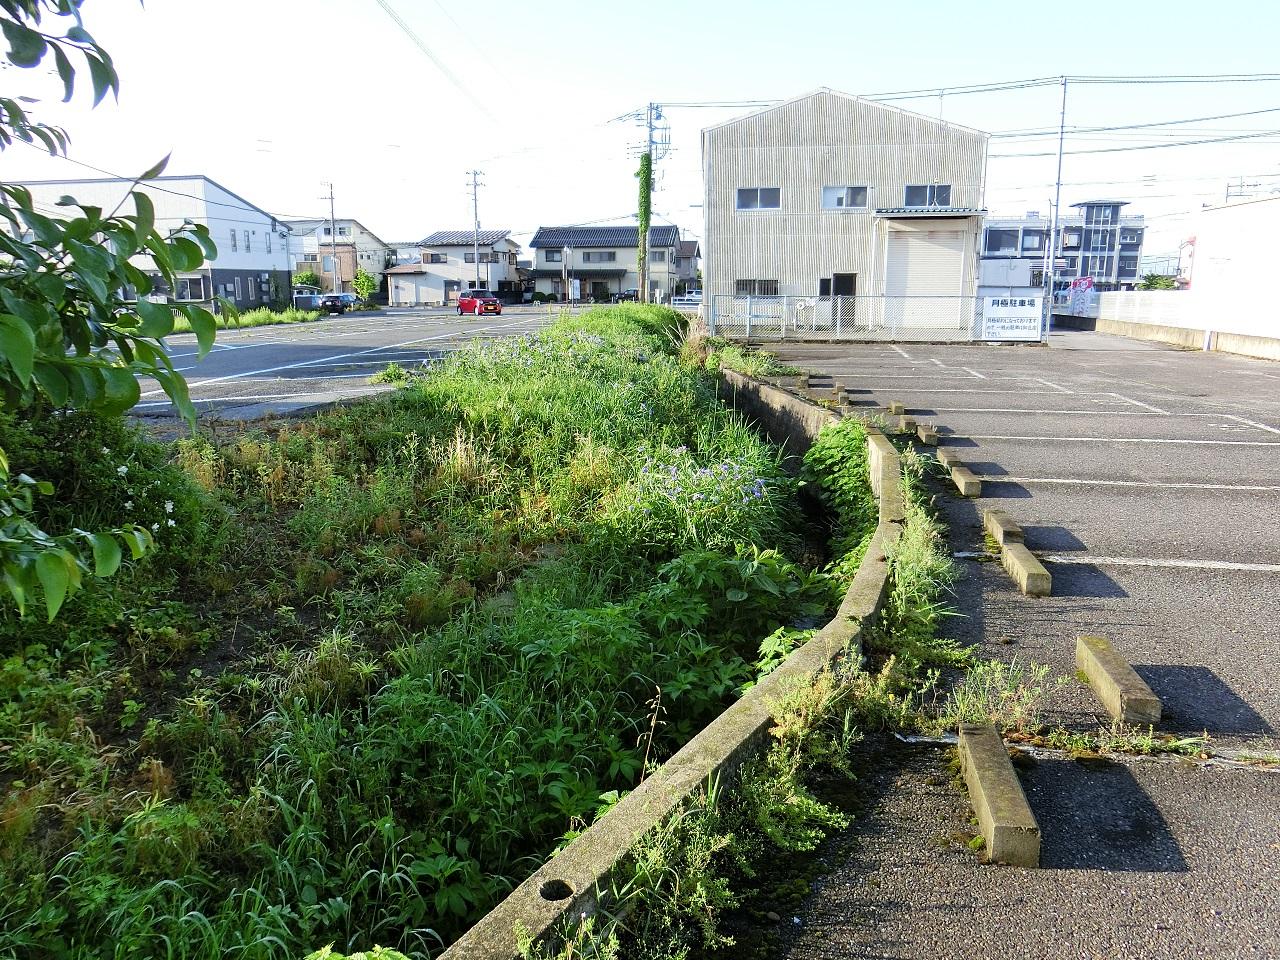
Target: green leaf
<point>735,595</point>
<point>146,217</point>
<point>157,169</point>
<point>13,580</point>
<point>66,72</point>
<point>103,76</point>
<point>51,568</point>
<point>122,390</point>
<point>26,46</point>
<point>18,346</point>
<point>52,382</point>
<point>79,34</point>
<point>157,319</point>
<point>137,540</point>
<point>186,254</point>
<point>204,326</point>
<point>106,554</point>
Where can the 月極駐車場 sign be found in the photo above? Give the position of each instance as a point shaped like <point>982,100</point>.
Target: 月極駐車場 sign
<point>1011,318</point>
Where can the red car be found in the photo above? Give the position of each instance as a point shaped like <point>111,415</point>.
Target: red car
<point>478,302</point>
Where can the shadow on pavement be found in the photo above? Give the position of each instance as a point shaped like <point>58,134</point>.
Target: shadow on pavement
<point>1083,580</point>
<point>1097,816</point>
<point>1057,539</point>
<point>1195,699</point>
<point>997,489</point>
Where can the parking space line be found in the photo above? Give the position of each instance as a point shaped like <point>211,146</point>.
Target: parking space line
<point>1139,403</point>
<point>1225,443</point>
<point>898,349</point>
<point>1083,413</point>
<point>1085,560</point>
<point>974,372</point>
<point>1251,423</point>
<point>1157,484</point>
<point>1050,383</point>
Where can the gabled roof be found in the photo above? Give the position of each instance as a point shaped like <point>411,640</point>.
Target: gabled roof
<point>409,268</point>
<point>169,178</point>
<point>463,238</point>
<point>311,224</point>
<point>663,236</point>
<point>847,96</point>
<point>688,248</point>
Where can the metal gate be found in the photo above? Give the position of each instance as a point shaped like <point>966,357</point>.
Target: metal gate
<point>846,318</point>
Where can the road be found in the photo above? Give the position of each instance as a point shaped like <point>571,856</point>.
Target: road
<point>280,369</point>
<point>1149,481</point>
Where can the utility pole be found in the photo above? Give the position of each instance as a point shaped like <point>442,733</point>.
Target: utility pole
<point>1054,219</point>
<point>333,243</point>
<point>475,212</point>
<point>646,202</point>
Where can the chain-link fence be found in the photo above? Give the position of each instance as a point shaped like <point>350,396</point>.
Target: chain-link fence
<point>845,318</point>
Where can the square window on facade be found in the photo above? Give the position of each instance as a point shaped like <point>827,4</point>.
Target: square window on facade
<point>844,198</point>
<point>932,195</point>
<point>759,198</point>
<point>553,256</point>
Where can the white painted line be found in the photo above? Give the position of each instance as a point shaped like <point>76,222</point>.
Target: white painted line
<point>1252,423</point>
<point>1051,384</point>
<point>1226,443</point>
<point>938,362</point>
<point>1139,403</point>
<point>898,349</point>
<point>1088,413</point>
<point>1133,483</point>
<point>269,396</point>
<point>974,372</point>
<point>1085,559</point>
<point>1021,392</point>
<point>330,359</point>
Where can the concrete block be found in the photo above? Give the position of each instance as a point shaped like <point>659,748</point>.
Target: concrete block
<point>947,457</point>
<point>966,482</point>
<point>1027,572</point>
<point>1001,527</point>
<point>904,425</point>
<point>927,434</point>
<point>897,409</point>
<point>1004,816</point>
<point>1125,694</point>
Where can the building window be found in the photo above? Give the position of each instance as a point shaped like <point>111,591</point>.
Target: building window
<point>844,198</point>
<point>756,288</point>
<point>1100,240</point>
<point>1071,239</point>
<point>469,257</point>
<point>190,288</point>
<point>246,242</point>
<point>238,288</point>
<point>268,241</point>
<point>310,258</point>
<point>1002,242</point>
<point>1130,236</point>
<point>1032,242</point>
<point>1129,265</point>
<point>233,240</point>
<point>437,258</point>
<point>933,195</point>
<point>553,256</point>
<point>511,259</point>
<point>759,198</point>
<point>252,284</point>
<point>599,256</point>
<point>1099,215</point>
<point>657,256</point>
<point>342,231</point>
<point>328,231</point>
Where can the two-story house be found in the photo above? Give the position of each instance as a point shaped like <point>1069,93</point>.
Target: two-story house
<point>252,265</point>
<point>832,196</point>
<point>1099,242</point>
<point>336,249</point>
<point>603,260</point>
<point>685,266</point>
<point>467,260</point>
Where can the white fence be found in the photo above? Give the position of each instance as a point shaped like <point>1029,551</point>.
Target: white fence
<point>1166,308</point>
<point>847,318</point>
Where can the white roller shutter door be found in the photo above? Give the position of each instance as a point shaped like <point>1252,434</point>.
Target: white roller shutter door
<point>923,264</point>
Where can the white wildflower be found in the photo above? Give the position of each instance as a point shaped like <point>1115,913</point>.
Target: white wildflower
<point>155,527</point>
<point>168,506</point>
<point>171,523</point>
<point>128,504</point>
<point>122,470</point>
<point>105,451</point>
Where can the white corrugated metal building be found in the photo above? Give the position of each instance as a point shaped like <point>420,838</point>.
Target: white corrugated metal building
<point>829,195</point>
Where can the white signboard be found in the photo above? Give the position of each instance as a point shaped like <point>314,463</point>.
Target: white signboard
<point>1011,318</point>
<point>576,289</point>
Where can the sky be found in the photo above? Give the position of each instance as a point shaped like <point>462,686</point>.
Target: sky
<point>275,98</point>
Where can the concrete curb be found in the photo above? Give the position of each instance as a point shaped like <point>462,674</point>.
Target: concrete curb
<point>1004,816</point>
<point>1001,528</point>
<point>1125,694</point>
<point>927,434</point>
<point>1027,572</point>
<point>966,481</point>
<point>574,881</point>
<point>948,457</point>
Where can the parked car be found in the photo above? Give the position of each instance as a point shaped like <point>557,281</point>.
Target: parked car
<point>624,295</point>
<point>349,300</point>
<point>308,301</point>
<point>332,303</point>
<point>478,302</point>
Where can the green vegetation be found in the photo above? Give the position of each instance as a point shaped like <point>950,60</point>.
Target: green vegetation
<point>262,317</point>
<point>1157,281</point>
<point>383,659</point>
<point>365,283</point>
<point>307,278</point>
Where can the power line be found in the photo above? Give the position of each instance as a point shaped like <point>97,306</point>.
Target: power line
<point>1149,146</point>
<point>1132,126</point>
<point>439,64</point>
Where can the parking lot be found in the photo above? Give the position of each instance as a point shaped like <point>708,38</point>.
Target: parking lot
<point>1148,480</point>
<point>278,369</point>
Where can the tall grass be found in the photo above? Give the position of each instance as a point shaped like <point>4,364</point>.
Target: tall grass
<point>261,317</point>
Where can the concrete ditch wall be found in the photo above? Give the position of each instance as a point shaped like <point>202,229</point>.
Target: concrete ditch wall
<point>569,885</point>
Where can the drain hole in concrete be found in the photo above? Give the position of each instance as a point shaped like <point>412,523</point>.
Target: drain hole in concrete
<point>555,890</point>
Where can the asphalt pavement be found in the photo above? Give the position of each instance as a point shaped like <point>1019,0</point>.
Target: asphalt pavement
<point>1148,480</point>
<point>257,371</point>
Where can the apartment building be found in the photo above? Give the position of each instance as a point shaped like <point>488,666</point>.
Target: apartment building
<point>603,260</point>
<point>336,249</point>
<point>252,266</point>
<point>1098,241</point>
<point>832,196</point>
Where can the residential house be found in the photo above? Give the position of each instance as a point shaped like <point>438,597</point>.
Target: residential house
<point>1098,242</point>
<point>452,255</point>
<point>252,265</point>
<point>417,285</point>
<point>604,261</point>
<point>685,266</point>
<point>830,195</point>
<point>323,246</point>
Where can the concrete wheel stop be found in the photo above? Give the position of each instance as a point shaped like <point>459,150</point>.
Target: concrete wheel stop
<point>1125,694</point>
<point>1008,826</point>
